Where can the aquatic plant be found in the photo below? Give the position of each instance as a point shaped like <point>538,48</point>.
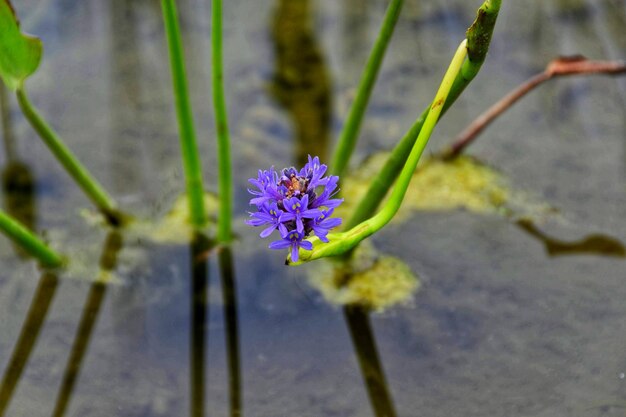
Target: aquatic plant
<point>296,203</point>
<point>189,148</point>
<point>29,241</point>
<point>191,158</point>
<point>397,172</point>
<point>20,55</point>
<point>225,182</point>
<point>348,137</point>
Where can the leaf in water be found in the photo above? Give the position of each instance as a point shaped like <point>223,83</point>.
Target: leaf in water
<point>20,54</point>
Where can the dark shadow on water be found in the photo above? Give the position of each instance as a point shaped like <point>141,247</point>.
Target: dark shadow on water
<point>364,343</point>
<point>28,337</point>
<point>595,244</point>
<point>301,83</point>
<point>200,247</point>
<point>18,184</point>
<point>91,310</point>
<point>199,319</point>
<point>229,293</point>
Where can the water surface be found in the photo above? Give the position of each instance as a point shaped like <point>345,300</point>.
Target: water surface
<point>500,326</point>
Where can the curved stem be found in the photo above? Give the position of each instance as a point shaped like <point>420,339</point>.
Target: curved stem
<point>348,137</point>
<point>224,226</point>
<point>31,243</point>
<point>189,148</point>
<point>343,242</point>
<point>478,38</point>
<point>72,165</point>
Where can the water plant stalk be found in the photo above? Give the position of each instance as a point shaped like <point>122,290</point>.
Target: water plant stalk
<point>72,165</point>
<point>189,149</point>
<point>341,243</point>
<point>478,39</point>
<point>348,137</point>
<point>225,189</point>
<point>31,243</point>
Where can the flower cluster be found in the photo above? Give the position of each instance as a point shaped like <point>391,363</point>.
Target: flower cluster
<point>296,203</point>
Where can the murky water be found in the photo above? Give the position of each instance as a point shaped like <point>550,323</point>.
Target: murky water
<point>500,325</point>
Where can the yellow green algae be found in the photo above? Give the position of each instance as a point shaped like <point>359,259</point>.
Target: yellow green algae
<point>378,281</point>
<point>175,227</point>
<point>369,279</point>
<point>437,185</point>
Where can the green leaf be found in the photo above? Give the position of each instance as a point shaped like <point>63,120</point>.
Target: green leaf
<point>20,54</point>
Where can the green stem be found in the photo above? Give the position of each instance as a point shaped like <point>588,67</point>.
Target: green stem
<point>221,122</point>
<point>72,165</point>
<point>478,39</point>
<point>341,243</point>
<point>348,137</point>
<point>189,148</point>
<point>31,243</point>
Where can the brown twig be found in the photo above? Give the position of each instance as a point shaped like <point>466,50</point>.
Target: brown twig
<point>563,66</point>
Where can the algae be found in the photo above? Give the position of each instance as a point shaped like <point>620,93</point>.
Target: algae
<point>369,279</point>
<point>440,185</point>
<point>175,227</point>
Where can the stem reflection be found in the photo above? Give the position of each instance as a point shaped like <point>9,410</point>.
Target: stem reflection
<point>229,292</point>
<point>91,310</point>
<point>364,343</point>
<point>200,245</point>
<point>301,83</point>
<point>28,337</point>
<point>18,184</point>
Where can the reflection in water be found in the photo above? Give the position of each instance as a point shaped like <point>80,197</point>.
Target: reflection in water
<point>301,82</point>
<point>356,36</point>
<point>200,246</point>
<point>199,319</point>
<point>126,95</point>
<point>18,185</point>
<point>7,124</point>
<point>365,346</point>
<point>28,336</point>
<point>595,244</point>
<point>229,291</point>
<point>108,262</point>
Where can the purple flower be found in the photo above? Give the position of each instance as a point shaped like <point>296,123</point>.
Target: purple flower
<point>296,202</point>
<point>267,187</point>
<point>268,214</point>
<point>324,200</point>
<point>322,224</point>
<point>297,210</point>
<point>293,240</point>
<point>314,171</point>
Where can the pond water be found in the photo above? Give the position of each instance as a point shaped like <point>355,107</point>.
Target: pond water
<point>508,320</point>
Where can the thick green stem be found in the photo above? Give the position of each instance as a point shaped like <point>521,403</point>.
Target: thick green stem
<point>224,227</point>
<point>72,165</point>
<point>478,38</point>
<point>189,148</point>
<point>341,243</point>
<point>348,137</point>
<point>31,243</point>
